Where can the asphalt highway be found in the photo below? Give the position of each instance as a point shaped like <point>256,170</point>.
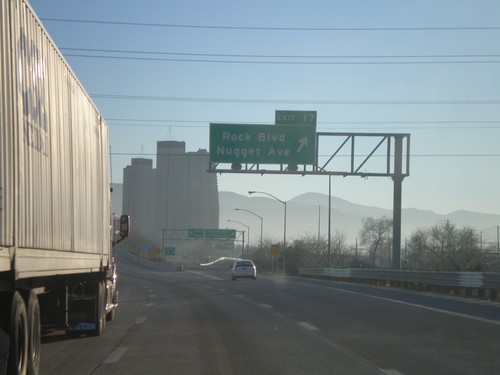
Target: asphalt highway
<point>198,321</point>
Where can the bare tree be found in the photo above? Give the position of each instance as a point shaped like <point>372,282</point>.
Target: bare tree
<point>444,247</point>
<point>443,237</point>
<point>375,233</point>
<point>418,249</point>
<point>339,248</point>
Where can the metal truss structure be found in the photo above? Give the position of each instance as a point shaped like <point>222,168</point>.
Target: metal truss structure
<point>352,155</point>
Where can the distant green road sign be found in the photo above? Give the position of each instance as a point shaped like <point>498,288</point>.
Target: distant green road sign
<point>211,233</point>
<point>195,233</point>
<point>220,233</point>
<point>303,118</point>
<point>169,251</point>
<point>262,144</point>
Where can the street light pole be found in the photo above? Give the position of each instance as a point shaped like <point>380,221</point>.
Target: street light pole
<point>261,222</point>
<point>248,241</point>
<point>329,221</point>
<point>284,223</point>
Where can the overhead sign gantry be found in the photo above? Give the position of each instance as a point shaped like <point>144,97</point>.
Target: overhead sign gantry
<point>292,146</point>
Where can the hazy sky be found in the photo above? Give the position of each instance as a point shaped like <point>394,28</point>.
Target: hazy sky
<point>430,68</point>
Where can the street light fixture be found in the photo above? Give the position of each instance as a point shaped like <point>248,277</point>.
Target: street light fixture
<point>248,242</point>
<point>261,222</point>
<point>284,222</point>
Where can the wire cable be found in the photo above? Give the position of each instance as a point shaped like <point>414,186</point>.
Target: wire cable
<point>292,101</point>
<point>263,28</point>
<point>285,62</point>
<point>432,125</point>
<point>133,52</point>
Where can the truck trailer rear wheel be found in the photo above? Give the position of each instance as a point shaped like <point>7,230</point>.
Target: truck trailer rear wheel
<point>18,332</point>
<point>34,332</point>
<point>103,291</point>
<point>100,310</point>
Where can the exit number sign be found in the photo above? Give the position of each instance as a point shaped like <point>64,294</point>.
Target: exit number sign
<point>300,118</point>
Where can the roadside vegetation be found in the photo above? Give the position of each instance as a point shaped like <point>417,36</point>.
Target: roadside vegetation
<point>442,247</point>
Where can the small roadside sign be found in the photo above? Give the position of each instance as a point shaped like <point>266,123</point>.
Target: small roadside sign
<point>275,250</point>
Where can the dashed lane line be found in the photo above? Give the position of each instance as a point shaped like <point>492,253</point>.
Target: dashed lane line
<point>307,326</point>
<point>115,355</point>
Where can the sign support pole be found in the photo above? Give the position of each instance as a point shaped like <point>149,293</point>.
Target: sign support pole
<point>396,209</point>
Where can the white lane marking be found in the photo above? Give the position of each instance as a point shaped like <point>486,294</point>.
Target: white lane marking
<point>315,331</point>
<point>434,309</point>
<point>150,304</point>
<point>140,320</point>
<point>205,275</point>
<point>307,326</point>
<point>116,355</point>
<point>266,306</point>
<point>391,372</point>
<point>470,300</point>
<point>312,330</point>
<point>482,302</point>
<point>152,295</point>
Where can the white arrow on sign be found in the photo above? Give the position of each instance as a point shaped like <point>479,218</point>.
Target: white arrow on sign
<point>302,144</point>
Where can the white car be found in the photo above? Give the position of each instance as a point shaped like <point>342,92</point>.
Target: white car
<point>243,268</point>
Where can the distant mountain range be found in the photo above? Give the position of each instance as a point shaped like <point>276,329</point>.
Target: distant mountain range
<point>308,213</point>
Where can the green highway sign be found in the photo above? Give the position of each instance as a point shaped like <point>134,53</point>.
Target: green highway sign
<point>220,233</point>
<point>301,118</point>
<point>262,144</point>
<point>195,233</point>
<point>211,233</point>
<point>169,251</point>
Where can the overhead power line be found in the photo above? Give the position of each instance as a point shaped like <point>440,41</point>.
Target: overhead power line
<point>320,122</point>
<point>274,62</point>
<point>229,55</point>
<point>291,101</point>
<point>264,28</point>
<point>431,125</point>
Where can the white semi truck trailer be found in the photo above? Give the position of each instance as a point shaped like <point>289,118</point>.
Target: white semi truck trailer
<point>56,231</point>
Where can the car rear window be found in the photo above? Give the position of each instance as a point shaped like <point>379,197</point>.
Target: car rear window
<point>244,264</point>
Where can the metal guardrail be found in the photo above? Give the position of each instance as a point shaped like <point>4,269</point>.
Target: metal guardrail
<point>474,280</point>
